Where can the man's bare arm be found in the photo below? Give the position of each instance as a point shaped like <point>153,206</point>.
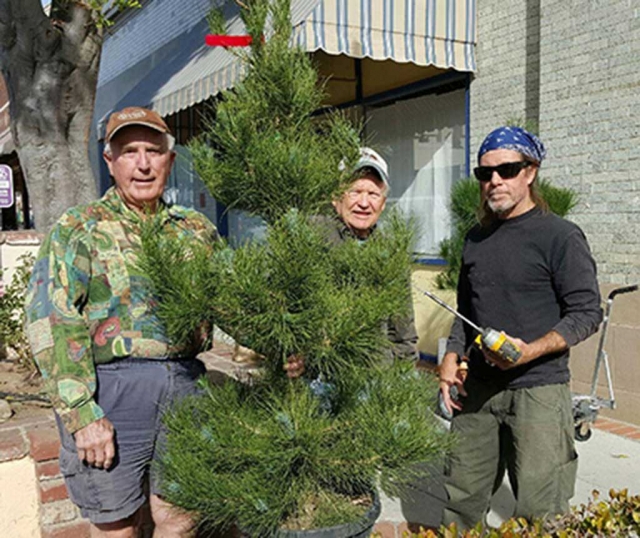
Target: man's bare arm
<point>552,342</point>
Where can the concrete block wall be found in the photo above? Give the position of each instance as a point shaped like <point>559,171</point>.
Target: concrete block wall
<point>589,79</point>
<point>589,102</point>
<point>499,89</point>
<point>572,67</point>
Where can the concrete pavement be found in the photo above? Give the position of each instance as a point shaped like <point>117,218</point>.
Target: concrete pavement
<point>605,461</point>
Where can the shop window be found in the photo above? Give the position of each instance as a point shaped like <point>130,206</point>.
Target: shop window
<point>423,140</point>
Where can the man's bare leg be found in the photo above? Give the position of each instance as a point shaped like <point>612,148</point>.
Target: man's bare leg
<point>170,521</point>
<point>125,528</point>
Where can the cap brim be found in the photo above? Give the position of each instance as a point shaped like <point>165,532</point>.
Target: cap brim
<point>376,167</point>
<point>131,124</point>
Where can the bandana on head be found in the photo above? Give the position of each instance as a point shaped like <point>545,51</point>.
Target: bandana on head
<point>514,138</point>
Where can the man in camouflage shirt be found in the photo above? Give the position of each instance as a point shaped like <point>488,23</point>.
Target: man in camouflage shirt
<point>108,365</point>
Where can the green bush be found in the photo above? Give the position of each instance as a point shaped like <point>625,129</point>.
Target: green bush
<point>617,516</point>
<point>12,334</point>
<point>465,202</point>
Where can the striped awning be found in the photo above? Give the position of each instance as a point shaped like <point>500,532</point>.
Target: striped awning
<point>424,32</point>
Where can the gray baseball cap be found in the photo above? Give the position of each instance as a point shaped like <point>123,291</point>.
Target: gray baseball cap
<point>372,159</point>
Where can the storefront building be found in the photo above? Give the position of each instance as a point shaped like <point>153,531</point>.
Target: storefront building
<point>431,78</point>
<point>403,67</point>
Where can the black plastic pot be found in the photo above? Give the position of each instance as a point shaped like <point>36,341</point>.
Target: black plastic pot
<point>358,529</point>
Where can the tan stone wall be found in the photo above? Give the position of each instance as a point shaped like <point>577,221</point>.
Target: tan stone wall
<point>432,321</point>
<point>623,347</point>
<point>19,499</point>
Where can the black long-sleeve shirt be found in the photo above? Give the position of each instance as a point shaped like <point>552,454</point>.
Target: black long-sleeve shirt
<point>527,276</point>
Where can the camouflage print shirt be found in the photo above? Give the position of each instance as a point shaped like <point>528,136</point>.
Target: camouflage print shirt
<point>87,304</point>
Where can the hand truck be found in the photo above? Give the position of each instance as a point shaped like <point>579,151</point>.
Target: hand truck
<point>586,407</point>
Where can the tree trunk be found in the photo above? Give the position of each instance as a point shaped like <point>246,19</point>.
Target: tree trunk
<point>50,66</point>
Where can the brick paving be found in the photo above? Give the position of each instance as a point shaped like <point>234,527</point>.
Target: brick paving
<point>37,436</point>
<point>622,429</point>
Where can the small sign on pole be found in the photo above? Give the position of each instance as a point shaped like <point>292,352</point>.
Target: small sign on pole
<point>6,186</point>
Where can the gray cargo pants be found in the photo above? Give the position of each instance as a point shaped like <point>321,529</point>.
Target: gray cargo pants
<point>529,433</point>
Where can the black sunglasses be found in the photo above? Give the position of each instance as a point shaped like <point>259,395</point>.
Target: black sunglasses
<point>505,170</point>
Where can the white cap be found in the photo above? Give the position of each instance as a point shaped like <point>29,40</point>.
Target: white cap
<point>372,159</point>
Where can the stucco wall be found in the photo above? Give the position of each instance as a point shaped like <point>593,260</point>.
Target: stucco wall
<point>19,499</point>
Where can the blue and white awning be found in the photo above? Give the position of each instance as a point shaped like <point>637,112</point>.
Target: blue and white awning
<point>423,32</point>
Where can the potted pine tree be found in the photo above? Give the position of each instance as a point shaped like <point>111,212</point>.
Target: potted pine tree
<point>281,457</point>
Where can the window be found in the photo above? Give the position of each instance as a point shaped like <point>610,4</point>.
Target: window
<point>423,140</point>
<point>184,187</point>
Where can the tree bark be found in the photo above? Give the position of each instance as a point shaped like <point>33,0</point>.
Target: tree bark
<point>50,66</point>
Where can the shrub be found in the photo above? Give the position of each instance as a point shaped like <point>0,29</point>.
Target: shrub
<point>280,453</point>
<point>12,334</point>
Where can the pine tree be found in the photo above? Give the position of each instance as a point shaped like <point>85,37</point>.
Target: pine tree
<point>281,453</point>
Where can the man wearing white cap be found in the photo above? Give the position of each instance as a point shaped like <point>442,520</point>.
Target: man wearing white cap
<point>358,211</point>
<point>362,204</point>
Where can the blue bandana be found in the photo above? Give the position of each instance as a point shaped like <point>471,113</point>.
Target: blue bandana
<point>514,138</point>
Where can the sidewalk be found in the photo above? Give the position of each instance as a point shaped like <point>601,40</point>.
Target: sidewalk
<point>606,461</point>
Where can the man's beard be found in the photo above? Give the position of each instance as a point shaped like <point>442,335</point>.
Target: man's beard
<point>499,209</point>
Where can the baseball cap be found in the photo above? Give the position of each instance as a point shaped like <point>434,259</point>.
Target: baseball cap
<point>134,115</point>
<point>372,159</point>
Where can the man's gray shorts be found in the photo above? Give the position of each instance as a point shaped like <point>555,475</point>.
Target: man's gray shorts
<point>133,394</point>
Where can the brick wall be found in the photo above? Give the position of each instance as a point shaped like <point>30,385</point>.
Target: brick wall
<point>37,437</point>
<point>59,517</point>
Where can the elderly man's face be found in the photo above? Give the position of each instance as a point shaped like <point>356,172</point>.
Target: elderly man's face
<point>140,164</point>
<point>361,206</point>
<point>507,198</point>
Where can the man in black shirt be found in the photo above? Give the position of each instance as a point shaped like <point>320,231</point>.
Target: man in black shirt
<point>530,274</point>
